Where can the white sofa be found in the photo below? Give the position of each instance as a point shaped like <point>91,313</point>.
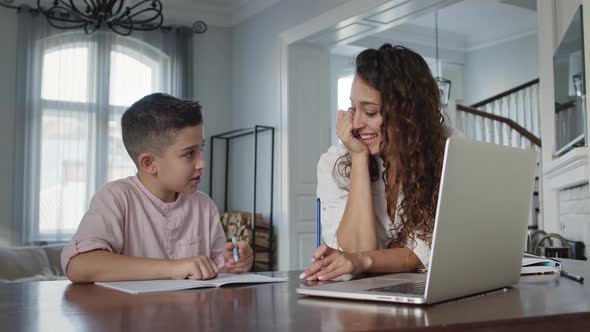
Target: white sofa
<point>31,263</point>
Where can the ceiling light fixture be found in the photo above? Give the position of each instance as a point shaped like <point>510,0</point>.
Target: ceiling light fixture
<point>121,16</point>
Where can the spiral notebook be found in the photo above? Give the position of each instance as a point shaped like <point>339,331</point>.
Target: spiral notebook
<point>167,285</point>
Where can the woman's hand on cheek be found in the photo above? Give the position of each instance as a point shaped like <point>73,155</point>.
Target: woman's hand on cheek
<point>344,130</point>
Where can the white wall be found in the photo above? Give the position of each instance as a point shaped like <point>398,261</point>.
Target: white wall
<point>492,70</point>
<point>309,121</point>
<point>8,30</point>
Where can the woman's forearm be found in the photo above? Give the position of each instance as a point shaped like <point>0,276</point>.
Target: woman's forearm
<point>391,260</point>
<point>101,265</point>
<point>358,230</point>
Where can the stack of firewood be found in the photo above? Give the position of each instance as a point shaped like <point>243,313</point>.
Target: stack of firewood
<point>240,224</point>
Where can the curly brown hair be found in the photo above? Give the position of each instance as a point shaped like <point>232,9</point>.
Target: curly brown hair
<point>413,139</point>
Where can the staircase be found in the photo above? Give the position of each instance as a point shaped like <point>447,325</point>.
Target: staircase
<point>510,118</point>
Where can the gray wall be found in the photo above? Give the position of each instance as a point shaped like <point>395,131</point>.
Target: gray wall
<point>256,58</point>
<point>213,86</point>
<point>257,91</point>
<point>492,70</point>
<point>8,28</point>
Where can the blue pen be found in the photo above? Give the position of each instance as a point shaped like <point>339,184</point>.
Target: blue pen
<point>235,242</point>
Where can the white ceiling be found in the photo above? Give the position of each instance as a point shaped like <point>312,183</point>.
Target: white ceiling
<point>477,22</point>
<point>224,13</point>
<point>463,26</point>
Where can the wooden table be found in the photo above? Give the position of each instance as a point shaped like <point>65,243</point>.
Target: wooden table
<point>549,302</point>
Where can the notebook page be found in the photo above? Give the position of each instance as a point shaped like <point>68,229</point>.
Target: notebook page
<point>243,278</point>
<point>150,286</point>
<point>166,285</point>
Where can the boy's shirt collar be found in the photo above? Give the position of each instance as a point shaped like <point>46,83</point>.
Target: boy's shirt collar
<point>164,207</point>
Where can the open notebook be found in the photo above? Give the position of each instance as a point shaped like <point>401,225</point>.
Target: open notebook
<point>533,264</point>
<point>150,286</point>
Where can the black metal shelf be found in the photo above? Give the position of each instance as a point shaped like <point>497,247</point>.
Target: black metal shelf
<point>228,137</point>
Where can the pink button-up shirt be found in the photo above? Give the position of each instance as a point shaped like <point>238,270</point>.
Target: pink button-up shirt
<point>124,217</point>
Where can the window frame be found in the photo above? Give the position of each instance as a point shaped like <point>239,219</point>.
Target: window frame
<point>100,46</point>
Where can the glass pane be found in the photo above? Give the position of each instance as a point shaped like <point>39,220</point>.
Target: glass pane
<point>65,75</point>
<point>120,164</point>
<point>130,80</point>
<point>344,85</point>
<point>64,171</point>
<point>132,77</point>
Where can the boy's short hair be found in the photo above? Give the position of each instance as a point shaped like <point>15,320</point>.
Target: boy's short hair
<point>150,124</point>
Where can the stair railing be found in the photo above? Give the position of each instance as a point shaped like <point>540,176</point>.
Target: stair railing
<point>509,118</point>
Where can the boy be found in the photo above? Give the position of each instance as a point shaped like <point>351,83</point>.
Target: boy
<point>155,225</point>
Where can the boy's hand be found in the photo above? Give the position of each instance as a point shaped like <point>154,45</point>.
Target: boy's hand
<point>244,263</point>
<point>196,268</point>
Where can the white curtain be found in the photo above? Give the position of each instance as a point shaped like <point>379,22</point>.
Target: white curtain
<point>72,91</point>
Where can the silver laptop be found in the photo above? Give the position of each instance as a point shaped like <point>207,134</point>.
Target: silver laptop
<point>479,233</point>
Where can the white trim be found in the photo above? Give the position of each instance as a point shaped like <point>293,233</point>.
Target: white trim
<point>284,257</point>
<point>569,170</point>
<point>585,32</point>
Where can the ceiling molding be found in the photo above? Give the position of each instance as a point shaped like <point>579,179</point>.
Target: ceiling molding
<point>344,15</point>
<point>500,41</point>
<point>426,50</point>
<point>390,15</point>
<point>426,36</point>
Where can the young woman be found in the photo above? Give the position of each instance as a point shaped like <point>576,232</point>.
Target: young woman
<point>379,188</point>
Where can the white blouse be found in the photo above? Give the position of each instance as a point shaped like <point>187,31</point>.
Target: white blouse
<point>333,201</point>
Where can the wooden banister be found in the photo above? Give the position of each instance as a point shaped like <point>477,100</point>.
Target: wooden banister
<point>518,128</point>
<point>504,94</point>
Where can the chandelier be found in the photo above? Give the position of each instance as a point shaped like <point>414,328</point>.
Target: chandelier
<point>121,16</point>
<point>118,15</point>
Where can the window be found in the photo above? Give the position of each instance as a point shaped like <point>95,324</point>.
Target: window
<point>344,86</point>
<point>86,85</point>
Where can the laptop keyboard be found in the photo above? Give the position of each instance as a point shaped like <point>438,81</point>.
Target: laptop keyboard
<point>414,288</point>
